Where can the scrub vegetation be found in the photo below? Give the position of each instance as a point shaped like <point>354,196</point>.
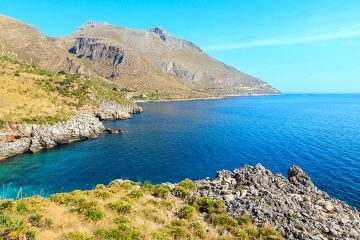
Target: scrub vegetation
<point>125,210</point>
<point>32,95</point>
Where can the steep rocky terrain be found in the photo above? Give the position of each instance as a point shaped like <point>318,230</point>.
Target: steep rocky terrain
<point>178,57</point>
<point>126,210</point>
<point>294,206</point>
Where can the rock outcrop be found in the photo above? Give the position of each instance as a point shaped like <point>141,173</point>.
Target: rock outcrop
<point>293,206</point>
<point>111,110</point>
<point>83,126</point>
<point>33,138</point>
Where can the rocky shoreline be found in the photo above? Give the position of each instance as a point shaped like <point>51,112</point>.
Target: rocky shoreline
<point>22,138</point>
<point>294,206</point>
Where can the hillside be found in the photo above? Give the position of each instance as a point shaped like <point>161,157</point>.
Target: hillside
<point>178,57</point>
<point>27,44</point>
<point>32,95</point>
<point>126,210</point>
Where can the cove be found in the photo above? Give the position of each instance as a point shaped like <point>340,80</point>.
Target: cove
<point>171,141</point>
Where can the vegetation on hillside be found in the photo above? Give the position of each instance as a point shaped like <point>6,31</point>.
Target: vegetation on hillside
<point>32,95</point>
<point>125,210</point>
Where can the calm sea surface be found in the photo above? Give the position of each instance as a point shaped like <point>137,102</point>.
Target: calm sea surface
<point>174,140</point>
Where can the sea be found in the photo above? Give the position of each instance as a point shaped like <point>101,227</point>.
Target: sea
<point>171,141</point>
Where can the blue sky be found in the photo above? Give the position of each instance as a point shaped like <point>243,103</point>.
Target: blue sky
<point>297,46</point>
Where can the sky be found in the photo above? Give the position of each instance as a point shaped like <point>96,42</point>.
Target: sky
<point>302,46</point>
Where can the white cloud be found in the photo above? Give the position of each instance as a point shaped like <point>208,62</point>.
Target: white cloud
<point>348,32</point>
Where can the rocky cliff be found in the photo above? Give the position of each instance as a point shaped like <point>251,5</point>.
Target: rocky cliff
<point>180,58</point>
<point>294,206</point>
<point>23,138</point>
<point>33,138</point>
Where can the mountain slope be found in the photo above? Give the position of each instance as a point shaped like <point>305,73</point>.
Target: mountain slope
<point>25,43</point>
<point>180,58</point>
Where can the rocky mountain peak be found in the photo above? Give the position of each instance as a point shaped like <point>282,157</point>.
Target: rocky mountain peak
<point>173,42</point>
<point>91,24</point>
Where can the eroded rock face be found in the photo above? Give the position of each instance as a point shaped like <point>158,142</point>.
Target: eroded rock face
<point>33,138</point>
<point>94,49</point>
<point>111,110</point>
<point>83,126</point>
<point>293,206</point>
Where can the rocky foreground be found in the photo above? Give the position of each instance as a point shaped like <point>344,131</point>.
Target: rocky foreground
<point>294,206</point>
<point>23,138</point>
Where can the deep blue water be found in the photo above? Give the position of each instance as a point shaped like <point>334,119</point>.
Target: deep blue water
<point>174,140</point>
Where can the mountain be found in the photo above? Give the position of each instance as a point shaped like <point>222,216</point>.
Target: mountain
<point>146,64</point>
<point>180,58</point>
<point>25,43</point>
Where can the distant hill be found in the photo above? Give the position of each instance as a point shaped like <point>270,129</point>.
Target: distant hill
<point>148,65</point>
<point>180,58</point>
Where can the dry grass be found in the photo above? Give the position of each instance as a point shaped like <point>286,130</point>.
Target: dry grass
<point>32,95</point>
<point>123,210</point>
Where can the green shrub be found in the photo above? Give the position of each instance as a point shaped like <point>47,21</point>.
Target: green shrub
<point>181,192</point>
<point>77,236</point>
<point>121,208</point>
<point>100,186</point>
<point>136,194</point>
<point>100,194</point>
<point>90,210</point>
<point>161,191</point>
<point>117,234</point>
<point>221,219</point>
<point>121,221</point>
<point>161,203</point>
<point>176,229</point>
<point>186,212</point>
<point>66,199</point>
<point>244,220</point>
<point>147,186</point>
<point>208,205</point>
<point>198,230</point>
<point>21,207</point>
<point>187,184</point>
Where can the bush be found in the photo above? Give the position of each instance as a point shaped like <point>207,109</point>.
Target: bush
<point>147,186</point>
<point>221,219</point>
<point>185,212</point>
<point>176,229</point>
<point>181,192</point>
<point>244,220</point>
<point>65,198</point>
<point>77,236</point>
<point>161,191</point>
<point>161,203</point>
<point>21,207</point>
<point>121,208</point>
<point>198,230</point>
<point>208,205</point>
<point>117,233</point>
<point>136,194</point>
<point>100,186</point>
<point>187,184</point>
<point>90,210</point>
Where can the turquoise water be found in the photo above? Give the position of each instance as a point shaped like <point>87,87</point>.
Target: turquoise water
<point>173,140</point>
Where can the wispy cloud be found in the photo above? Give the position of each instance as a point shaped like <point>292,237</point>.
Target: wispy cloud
<point>353,31</point>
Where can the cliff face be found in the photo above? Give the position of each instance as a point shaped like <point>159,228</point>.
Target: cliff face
<point>180,58</point>
<point>294,206</point>
<point>33,138</point>
<point>23,138</point>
